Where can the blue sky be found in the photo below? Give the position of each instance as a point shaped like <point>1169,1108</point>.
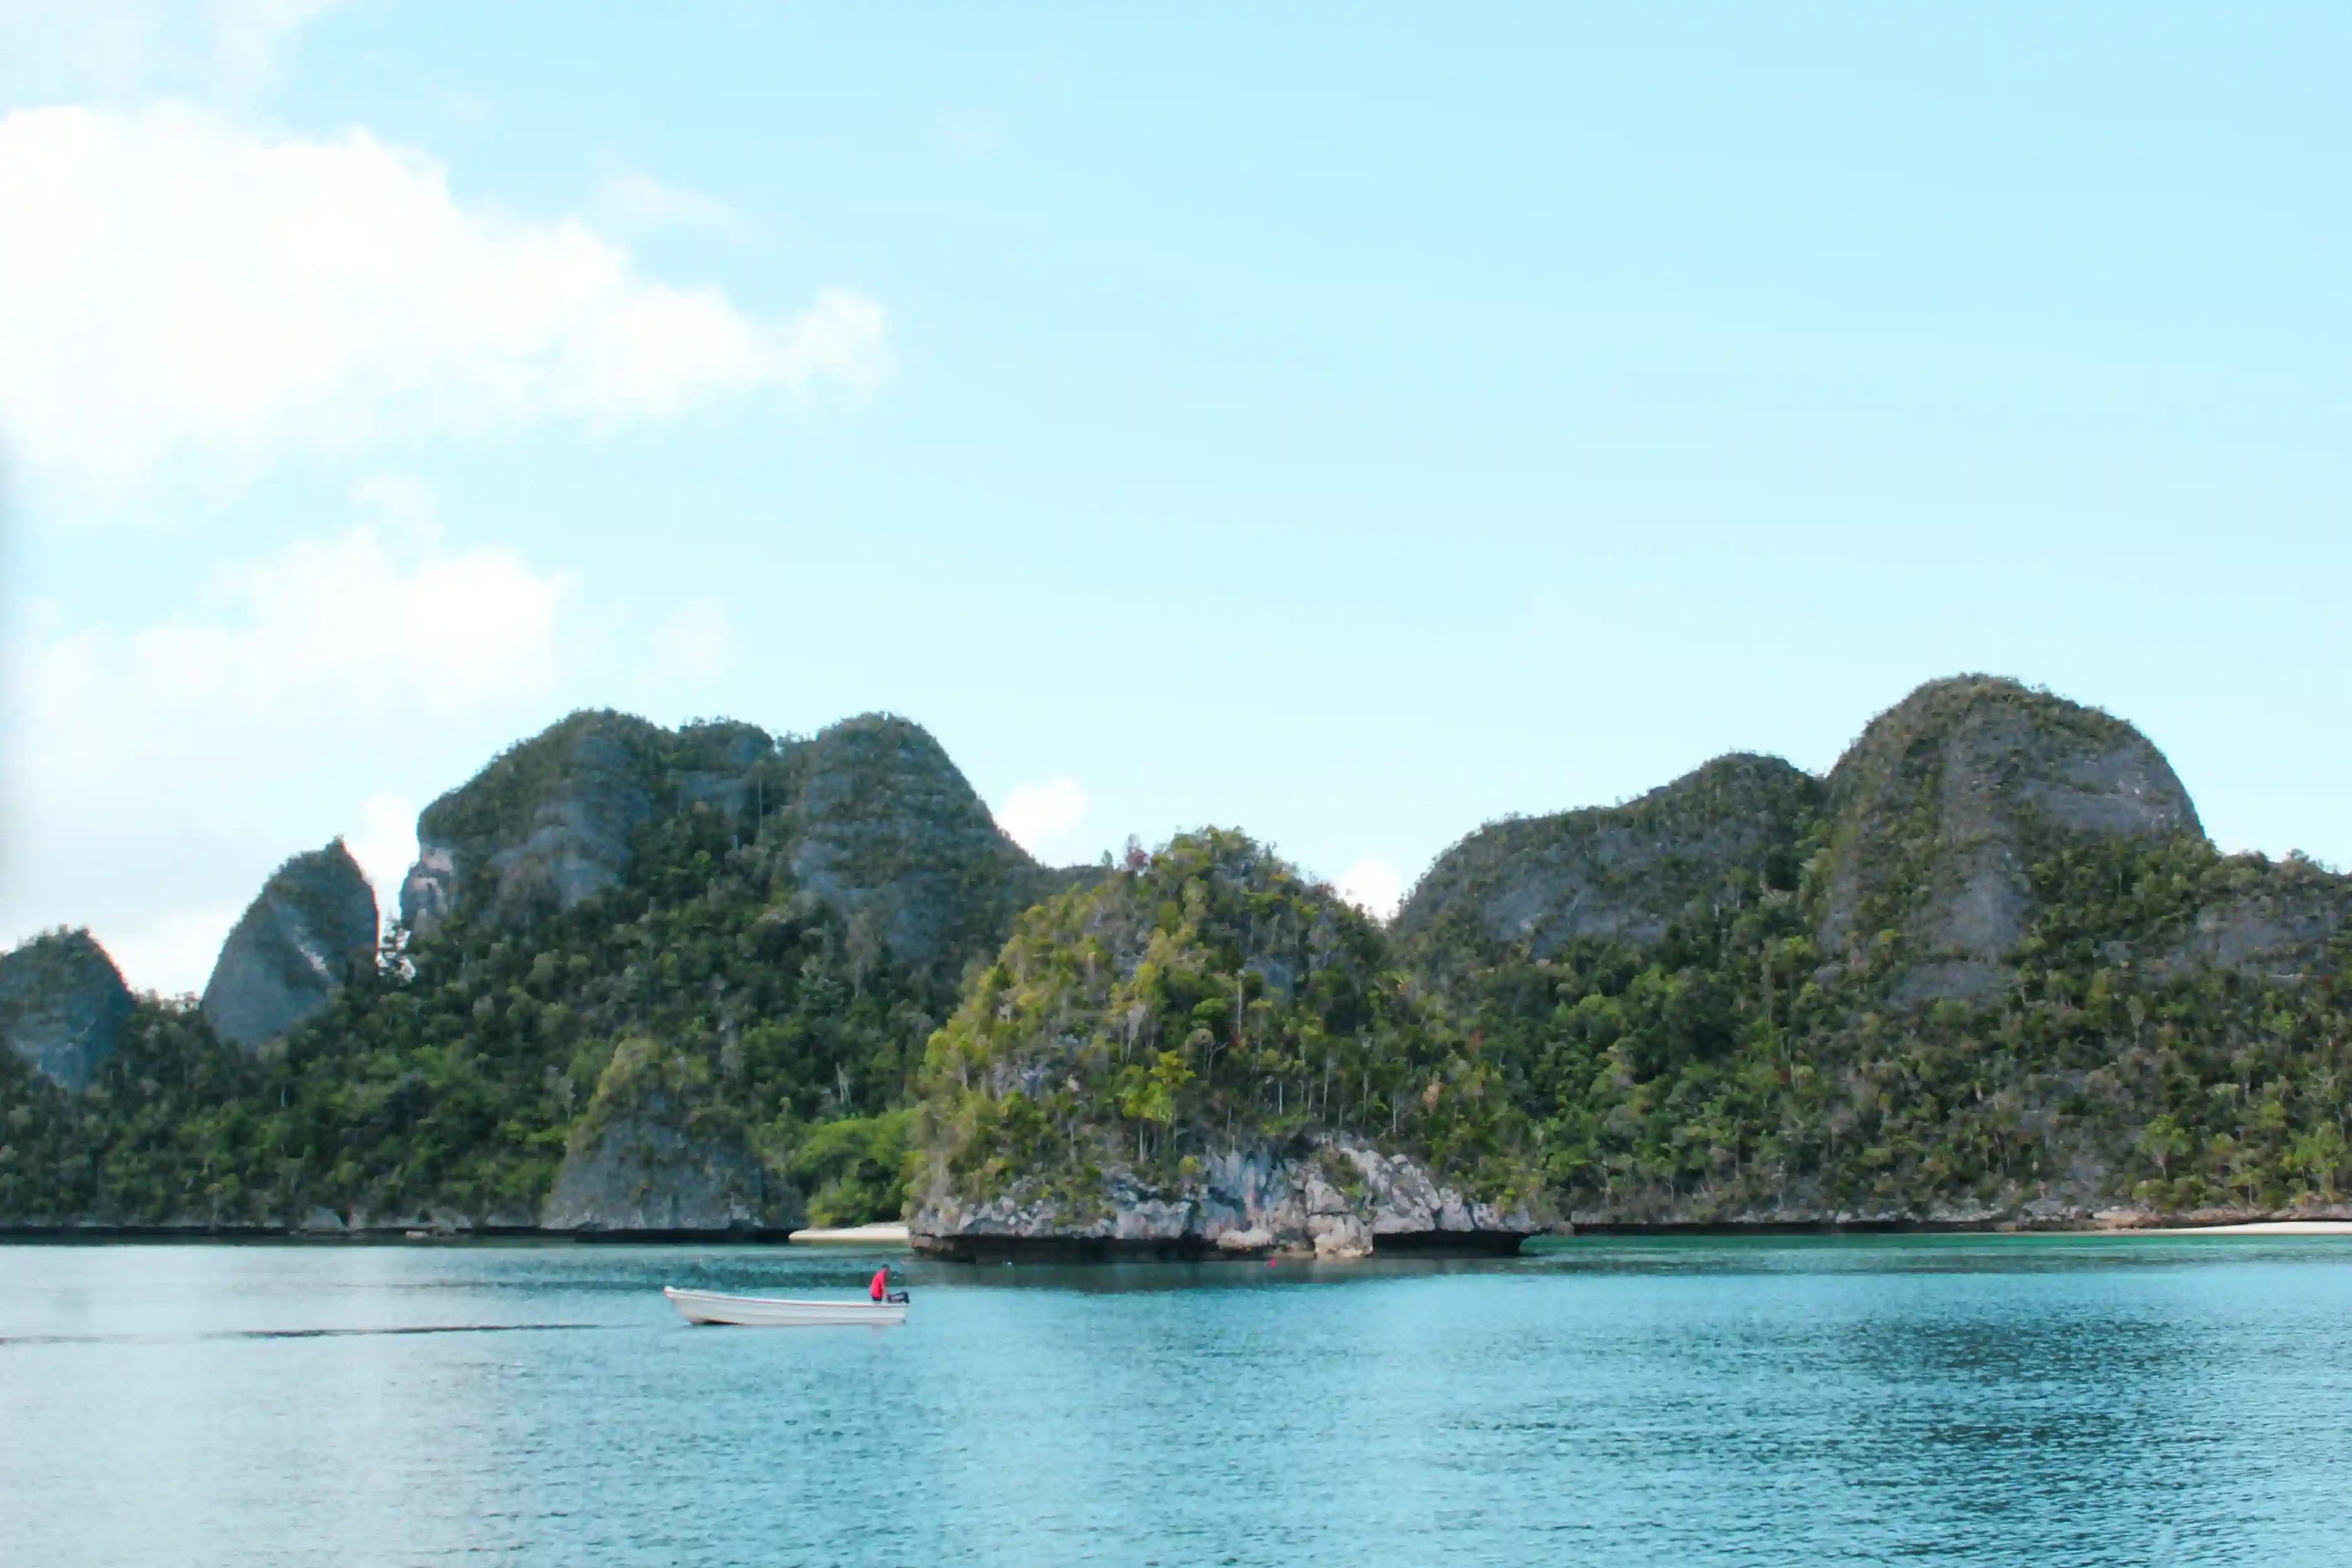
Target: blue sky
<point>1351,427</point>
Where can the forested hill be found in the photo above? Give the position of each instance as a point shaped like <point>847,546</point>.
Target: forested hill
<point>649,980</point>
<point>1206,1051</point>
<point>1988,970</point>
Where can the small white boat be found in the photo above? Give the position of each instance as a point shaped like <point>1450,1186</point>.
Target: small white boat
<point>769,1312</point>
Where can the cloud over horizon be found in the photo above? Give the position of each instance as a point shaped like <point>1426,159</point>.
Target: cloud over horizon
<point>634,200</point>
<point>117,47</point>
<point>138,763</point>
<point>189,300</point>
<point>1373,886</point>
<point>1041,817</point>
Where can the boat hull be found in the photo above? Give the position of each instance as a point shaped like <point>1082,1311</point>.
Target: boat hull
<point>768,1312</point>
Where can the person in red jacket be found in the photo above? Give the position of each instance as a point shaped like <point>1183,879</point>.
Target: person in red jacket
<point>880,1288</point>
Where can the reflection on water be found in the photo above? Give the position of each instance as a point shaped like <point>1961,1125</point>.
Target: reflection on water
<point>290,1334</point>
<point>1947,1400</point>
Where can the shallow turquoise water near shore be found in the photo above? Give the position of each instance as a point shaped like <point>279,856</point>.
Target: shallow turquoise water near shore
<point>1973,1400</point>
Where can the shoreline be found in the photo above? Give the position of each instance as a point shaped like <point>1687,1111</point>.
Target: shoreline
<point>893,1234</point>
<point>2252,1227</point>
<point>897,1235</point>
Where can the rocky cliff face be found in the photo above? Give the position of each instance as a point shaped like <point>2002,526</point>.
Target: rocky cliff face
<point>62,1005</point>
<point>1935,811</point>
<point>2266,919</point>
<point>876,821</point>
<point>1206,1050</point>
<point>886,830</point>
<point>543,827</point>
<point>1327,1195</point>
<point>655,1176</point>
<point>296,945</point>
<point>1621,872</point>
<point>661,1151</point>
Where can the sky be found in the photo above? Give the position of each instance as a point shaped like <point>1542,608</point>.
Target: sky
<point>1350,424</point>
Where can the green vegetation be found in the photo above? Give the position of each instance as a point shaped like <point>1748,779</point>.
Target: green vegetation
<point>451,1080</point>
<point>170,1124</point>
<point>1991,968</point>
<point>853,1169</point>
<point>62,1004</point>
<point>1726,1072</point>
<point>1624,872</point>
<point>1199,1000</point>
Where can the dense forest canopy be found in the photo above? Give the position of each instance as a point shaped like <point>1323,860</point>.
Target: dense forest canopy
<point>772,929</point>
<point>450,1077</point>
<point>1198,1000</point>
<point>1721,1072</point>
<point>1994,968</point>
<point>1989,968</point>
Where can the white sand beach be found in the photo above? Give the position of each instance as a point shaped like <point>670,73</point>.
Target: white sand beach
<point>852,1236</point>
<point>2259,1227</point>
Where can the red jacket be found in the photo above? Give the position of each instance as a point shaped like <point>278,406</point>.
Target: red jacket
<point>881,1286</point>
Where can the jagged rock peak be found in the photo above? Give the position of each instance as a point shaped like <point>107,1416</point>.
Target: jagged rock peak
<point>548,822</point>
<point>296,945</point>
<point>1934,809</point>
<point>544,825</point>
<point>2269,918</point>
<point>1622,871</point>
<point>886,829</point>
<point>62,1005</point>
<point>871,817</point>
<point>1189,1054</point>
<point>1327,1194</point>
<point>660,1150</point>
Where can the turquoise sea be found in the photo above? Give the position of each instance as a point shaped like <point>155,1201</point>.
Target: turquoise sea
<point>1950,1399</point>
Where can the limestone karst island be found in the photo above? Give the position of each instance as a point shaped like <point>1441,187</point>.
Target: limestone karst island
<point>1989,972</point>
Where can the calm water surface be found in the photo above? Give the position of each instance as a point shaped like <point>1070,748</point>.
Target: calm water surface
<point>1982,1400</point>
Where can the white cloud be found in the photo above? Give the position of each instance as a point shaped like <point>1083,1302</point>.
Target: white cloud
<point>1373,886</point>
<point>248,34</point>
<point>172,952</point>
<point>401,503</point>
<point>633,200</point>
<point>692,644</point>
<point>170,767</point>
<point>386,845</point>
<point>1041,817</point>
<point>115,47</point>
<point>334,625</point>
<point>181,297</point>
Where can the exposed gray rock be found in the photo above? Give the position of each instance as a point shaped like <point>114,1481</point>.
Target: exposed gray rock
<point>62,1005</point>
<point>545,826</point>
<point>1800,1204</point>
<point>884,827</point>
<point>870,816</point>
<point>428,894</point>
<point>1935,808</point>
<point>434,1221</point>
<point>1332,1195</point>
<point>296,945</point>
<point>2272,922</point>
<point>1622,871</point>
<point>651,1175</point>
<point>720,767</point>
<point>659,1150</point>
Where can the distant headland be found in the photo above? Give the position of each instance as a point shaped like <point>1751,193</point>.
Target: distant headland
<point>1987,973</point>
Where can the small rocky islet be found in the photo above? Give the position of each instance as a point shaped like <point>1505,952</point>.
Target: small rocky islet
<point>708,981</point>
